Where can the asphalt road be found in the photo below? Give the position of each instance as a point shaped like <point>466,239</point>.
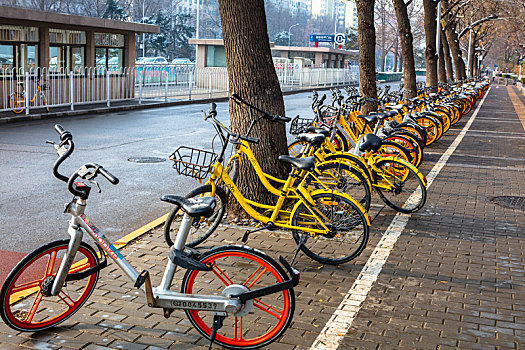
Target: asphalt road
<point>32,199</point>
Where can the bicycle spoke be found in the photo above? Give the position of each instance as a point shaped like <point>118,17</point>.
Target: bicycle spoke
<point>33,308</point>
<point>25,286</point>
<point>267,308</point>
<point>256,278</point>
<point>221,275</point>
<point>65,300</point>
<point>50,263</point>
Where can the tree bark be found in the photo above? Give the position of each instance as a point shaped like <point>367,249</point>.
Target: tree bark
<point>446,55</point>
<point>472,51</point>
<point>430,38</point>
<point>442,71</point>
<point>453,43</point>
<point>251,74</point>
<point>407,48</point>
<point>366,38</point>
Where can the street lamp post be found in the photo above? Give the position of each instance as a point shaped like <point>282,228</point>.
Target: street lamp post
<point>289,34</point>
<point>143,34</point>
<point>197,30</point>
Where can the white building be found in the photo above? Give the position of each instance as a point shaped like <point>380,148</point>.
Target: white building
<point>350,14</point>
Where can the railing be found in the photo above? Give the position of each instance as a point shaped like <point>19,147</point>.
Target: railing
<point>144,83</point>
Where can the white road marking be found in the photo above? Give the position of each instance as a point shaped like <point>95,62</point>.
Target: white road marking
<point>341,321</point>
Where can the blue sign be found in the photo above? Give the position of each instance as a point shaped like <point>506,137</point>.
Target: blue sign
<point>322,38</point>
<point>495,66</point>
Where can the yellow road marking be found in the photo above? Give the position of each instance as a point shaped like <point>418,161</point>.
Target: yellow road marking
<point>518,105</point>
<point>120,243</point>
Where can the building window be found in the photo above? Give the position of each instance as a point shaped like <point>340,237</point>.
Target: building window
<point>7,56</point>
<point>18,47</point>
<point>109,51</point>
<point>66,50</point>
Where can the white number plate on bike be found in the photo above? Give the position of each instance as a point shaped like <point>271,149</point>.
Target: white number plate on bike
<point>196,305</point>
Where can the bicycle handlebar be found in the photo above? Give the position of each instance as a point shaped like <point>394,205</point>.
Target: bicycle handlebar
<point>64,150</point>
<point>264,114</point>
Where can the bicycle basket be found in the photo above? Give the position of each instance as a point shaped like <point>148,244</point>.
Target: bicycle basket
<point>300,125</point>
<point>329,117</point>
<point>192,162</point>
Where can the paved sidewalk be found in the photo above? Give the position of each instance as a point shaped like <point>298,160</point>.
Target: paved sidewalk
<point>454,279</point>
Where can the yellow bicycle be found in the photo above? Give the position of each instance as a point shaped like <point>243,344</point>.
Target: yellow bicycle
<point>328,226</point>
<point>17,101</point>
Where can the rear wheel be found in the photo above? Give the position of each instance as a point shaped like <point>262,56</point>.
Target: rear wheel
<point>202,227</point>
<point>25,301</point>
<point>400,187</point>
<point>348,229</point>
<point>236,269</point>
<point>341,177</point>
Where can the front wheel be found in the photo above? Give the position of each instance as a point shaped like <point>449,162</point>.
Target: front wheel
<point>347,224</point>
<point>202,227</point>
<point>25,302</point>
<point>400,186</point>
<point>236,269</point>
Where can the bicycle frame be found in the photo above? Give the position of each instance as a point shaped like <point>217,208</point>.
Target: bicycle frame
<point>161,296</point>
<point>298,192</point>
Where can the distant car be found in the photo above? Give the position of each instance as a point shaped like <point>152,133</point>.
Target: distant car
<point>151,60</point>
<point>181,61</point>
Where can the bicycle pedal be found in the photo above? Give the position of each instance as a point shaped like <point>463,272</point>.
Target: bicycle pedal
<point>141,279</point>
<point>186,260</point>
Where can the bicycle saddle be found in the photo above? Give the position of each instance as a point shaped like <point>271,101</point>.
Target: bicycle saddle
<point>317,130</point>
<point>306,163</point>
<point>370,142</point>
<point>313,139</point>
<point>202,206</point>
<point>369,118</point>
<point>396,107</point>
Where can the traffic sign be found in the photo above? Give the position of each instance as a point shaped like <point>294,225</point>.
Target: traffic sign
<point>340,39</point>
<point>322,38</point>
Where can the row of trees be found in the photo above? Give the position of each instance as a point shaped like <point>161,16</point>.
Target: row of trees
<point>251,72</point>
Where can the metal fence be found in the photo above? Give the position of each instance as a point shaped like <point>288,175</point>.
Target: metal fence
<point>22,91</point>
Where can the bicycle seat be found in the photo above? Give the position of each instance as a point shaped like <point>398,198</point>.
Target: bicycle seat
<point>370,142</point>
<point>194,207</point>
<point>313,139</point>
<point>306,163</point>
<point>317,130</point>
<point>395,107</point>
<point>368,118</point>
<point>387,114</point>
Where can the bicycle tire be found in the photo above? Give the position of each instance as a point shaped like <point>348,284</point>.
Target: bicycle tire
<point>328,247</point>
<point>342,177</point>
<point>431,127</point>
<point>12,296</point>
<point>252,269</point>
<point>195,237</point>
<point>16,100</point>
<point>408,143</point>
<point>399,173</point>
<point>389,149</point>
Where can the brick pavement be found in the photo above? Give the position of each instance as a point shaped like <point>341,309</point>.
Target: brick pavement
<point>455,278</point>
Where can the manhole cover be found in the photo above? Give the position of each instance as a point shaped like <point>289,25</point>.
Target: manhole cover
<point>512,202</point>
<point>146,160</point>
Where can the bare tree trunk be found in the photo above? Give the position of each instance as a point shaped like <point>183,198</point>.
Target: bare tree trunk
<point>430,38</point>
<point>453,43</point>
<point>442,72</point>
<point>446,55</point>
<point>251,74</point>
<point>472,50</point>
<point>366,38</point>
<point>407,49</point>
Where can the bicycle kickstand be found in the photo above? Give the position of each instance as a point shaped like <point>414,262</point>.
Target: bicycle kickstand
<point>270,226</point>
<point>217,324</point>
<point>302,241</point>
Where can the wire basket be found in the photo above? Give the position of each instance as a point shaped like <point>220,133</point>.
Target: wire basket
<point>329,116</point>
<point>193,162</point>
<point>300,125</point>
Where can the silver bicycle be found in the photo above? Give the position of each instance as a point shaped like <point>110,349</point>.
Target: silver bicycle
<point>235,296</point>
